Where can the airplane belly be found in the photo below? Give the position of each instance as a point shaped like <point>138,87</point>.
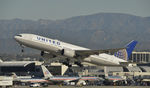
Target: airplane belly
<point>40,46</point>
<point>100,61</point>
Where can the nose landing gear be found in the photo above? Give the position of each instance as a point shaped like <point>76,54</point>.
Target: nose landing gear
<point>22,49</point>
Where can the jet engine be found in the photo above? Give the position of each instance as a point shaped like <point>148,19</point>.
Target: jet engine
<point>81,83</point>
<point>68,52</point>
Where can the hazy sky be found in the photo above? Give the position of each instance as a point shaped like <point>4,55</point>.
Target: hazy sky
<point>61,9</point>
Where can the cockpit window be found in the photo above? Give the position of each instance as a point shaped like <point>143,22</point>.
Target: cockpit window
<point>19,35</point>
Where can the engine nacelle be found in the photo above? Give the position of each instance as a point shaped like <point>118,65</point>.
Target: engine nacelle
<point>68,52</point>
<point>81,83</point>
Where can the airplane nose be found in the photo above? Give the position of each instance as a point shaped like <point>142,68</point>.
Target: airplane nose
<point>16,37</point>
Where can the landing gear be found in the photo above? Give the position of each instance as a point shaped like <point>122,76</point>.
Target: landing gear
<point>67,64</point>
<point>22,50</point>
<point>78,63</point>
<point>42,53</point>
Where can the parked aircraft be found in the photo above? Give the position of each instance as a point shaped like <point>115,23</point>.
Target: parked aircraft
<point>27,79</point>
<point>67,80</point>
<point>114,80</point>
<point>79,54</point>
<point>48,77</point>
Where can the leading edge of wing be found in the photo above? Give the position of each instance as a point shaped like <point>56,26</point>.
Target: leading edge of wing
<point>93,52</point>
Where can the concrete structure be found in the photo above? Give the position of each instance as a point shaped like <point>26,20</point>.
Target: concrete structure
<point>21,68</point>
<point>110,70</point>
<point>33,68</point>
<point>140,57</point>
<point>134,69</point>
<point>145,68</point>
<point>131,74</point>
<point>57,68</point>
<point>6,81</point>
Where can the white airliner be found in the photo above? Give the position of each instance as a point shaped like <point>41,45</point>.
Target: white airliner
<point>48,77</point>
<point>67,80</point>
<point>55,47</point>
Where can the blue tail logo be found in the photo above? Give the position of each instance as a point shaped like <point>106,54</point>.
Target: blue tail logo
<point>126,53</point>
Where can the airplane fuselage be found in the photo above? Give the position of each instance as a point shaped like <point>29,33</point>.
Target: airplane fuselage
<point>48,45</point>
<point>72,78</point>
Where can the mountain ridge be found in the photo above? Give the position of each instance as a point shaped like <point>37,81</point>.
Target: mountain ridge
<point>96,31</point>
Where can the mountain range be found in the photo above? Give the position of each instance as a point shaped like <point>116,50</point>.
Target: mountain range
<point>96,31</point>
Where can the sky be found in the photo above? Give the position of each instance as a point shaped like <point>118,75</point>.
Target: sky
<point>62,9</point>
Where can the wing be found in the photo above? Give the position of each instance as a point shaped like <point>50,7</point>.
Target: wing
<point>86,53</point>
<point>130,63</point>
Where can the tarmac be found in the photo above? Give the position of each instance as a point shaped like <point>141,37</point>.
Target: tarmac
<point>56,86</point>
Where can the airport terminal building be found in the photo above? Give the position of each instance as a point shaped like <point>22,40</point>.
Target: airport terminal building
<point>20,68</point>
<point>140,57</point>
<point>33,68</point>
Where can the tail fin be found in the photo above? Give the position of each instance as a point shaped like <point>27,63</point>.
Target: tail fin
<point>46,72</point>
<point>126,53</point>
<point>1,60</point>
<point>14,75</point>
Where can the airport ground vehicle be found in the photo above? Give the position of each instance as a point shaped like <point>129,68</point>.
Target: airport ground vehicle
<point>34,85</point>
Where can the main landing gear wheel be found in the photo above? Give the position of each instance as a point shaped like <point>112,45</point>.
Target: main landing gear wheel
<point>67,64</point>
<point>22,50</point>
<point>78,63</point>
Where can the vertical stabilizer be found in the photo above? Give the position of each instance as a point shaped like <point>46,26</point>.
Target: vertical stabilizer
<point>46,72</point>
<point>1,60</point>
<point>126,53</point>
<point>130,47</point>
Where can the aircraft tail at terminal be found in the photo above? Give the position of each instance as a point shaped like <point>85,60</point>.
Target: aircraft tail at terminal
<point>46,73</point>
<point>1,60</point>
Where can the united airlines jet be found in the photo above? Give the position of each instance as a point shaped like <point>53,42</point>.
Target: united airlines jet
<point>47,46</point>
